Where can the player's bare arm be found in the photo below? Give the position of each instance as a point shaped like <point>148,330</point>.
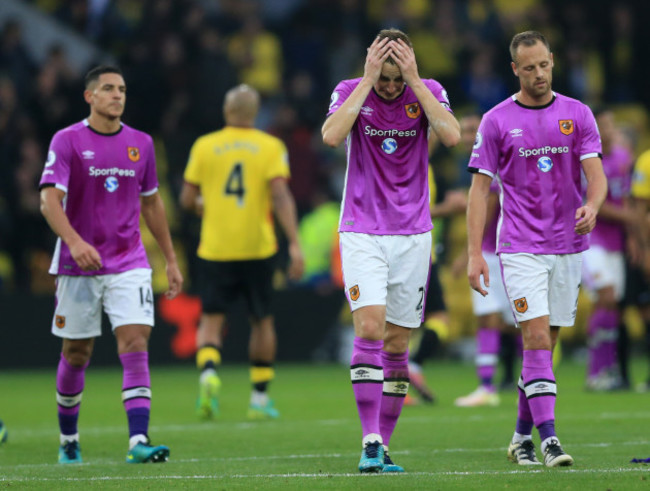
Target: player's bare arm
<point>84,254</point>
<point>284,208</point>
<point>442,122</point>
<point>476,218</point>
<point>338,125</point>
<point>596,194</point>
<point>153,212</point>
<point>191,199</point>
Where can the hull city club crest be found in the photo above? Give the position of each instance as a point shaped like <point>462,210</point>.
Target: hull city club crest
<point>566,126</point>
<point>521,305</point>
<point>412,110</point>
<point>134,154</point>
<point>354,293</point>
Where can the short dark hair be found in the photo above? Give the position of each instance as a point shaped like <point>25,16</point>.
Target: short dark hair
<point>394,34</point>
<point>94,73</point>
<point>527,38</point>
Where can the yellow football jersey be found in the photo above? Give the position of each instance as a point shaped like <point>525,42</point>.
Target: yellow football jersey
<point>233,168</point>
<point>641,178</point>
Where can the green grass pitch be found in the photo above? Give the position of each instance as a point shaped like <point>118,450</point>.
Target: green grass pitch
<point>316,442</point>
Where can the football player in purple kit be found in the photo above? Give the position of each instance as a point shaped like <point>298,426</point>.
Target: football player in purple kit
<point>99,176</point>
<point>604,261</point>
<point>535,144</point>
<point>385,118</point>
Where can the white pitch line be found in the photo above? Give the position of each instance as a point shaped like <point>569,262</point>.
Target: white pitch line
<point>616,470</point>
<point>345,455</point>
<point>219,425</point>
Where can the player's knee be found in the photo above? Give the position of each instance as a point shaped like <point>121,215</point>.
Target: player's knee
<point>77,355</point>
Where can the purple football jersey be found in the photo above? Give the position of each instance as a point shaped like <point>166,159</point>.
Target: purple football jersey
<point>103,177</point>
<point>617,166</point>
<point>386,185</point>
<point>535,154</point>
<point>489,243</point>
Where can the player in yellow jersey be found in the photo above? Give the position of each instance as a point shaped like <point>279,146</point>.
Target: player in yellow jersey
<point>236,179</point>
<point>638,284</point>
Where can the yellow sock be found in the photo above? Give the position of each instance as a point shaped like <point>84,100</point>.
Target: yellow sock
<point>207,355</point>
<point>260,374</point>
<point>439,327</point>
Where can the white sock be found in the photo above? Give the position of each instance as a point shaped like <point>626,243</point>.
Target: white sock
<point>68,438</point>
<point>547,441</point>
<point>135,439</point>
<point>259,398</point>
<point>371,437</point>
<point>518,438</point>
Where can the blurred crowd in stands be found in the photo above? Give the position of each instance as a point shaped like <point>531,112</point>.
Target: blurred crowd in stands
<point>180,56</point>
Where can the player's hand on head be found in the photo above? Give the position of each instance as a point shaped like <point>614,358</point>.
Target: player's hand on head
<point>378,53</point>
<point>405,58</point>
<point>175,280</point>
<point>86,256</point>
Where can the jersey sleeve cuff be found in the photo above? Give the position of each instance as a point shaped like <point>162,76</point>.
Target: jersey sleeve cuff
<point>476,170</point>
<point>150,192</point>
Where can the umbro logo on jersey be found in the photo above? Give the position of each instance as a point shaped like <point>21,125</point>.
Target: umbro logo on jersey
<point>516,132</point>
<point>366,110</point>
<point>88,154</point>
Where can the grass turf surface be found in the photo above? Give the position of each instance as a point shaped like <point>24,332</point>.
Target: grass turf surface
<point>316,442</point>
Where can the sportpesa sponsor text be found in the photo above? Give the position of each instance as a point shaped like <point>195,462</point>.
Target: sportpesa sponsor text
<point>529,152</point>
<point>370,131</point>
<point>113,171</point>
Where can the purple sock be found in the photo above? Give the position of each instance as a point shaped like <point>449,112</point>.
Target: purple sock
<point>539,381</point>
<point>487,354</point>
<point>136,391</point>
<point>610,347</point>
<point>597,347</point>
<point>367,377</point>
<point>524,417</point>
<point>69,387</point>
<point>396,384</point>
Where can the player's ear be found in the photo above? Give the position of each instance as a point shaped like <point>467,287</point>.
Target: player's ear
<point>514,68</point>
<point>552,62</point>
<point>88,96</point>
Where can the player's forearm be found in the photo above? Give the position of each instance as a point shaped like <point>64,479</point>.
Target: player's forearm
<point>596,191</point>
<point>153,212</point>
<point>284,208</point>
<point>476,219</point>
<point>56,218</point>
<point>442,122</point>
<point>338,125</point>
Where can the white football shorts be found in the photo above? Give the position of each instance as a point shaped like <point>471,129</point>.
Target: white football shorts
<point>602,268</point>
<point>390,270</point>
<point>543,284</point>
<point>496,300</point>
<point>127,298</point>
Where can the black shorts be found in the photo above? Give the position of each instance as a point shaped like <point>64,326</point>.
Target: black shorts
<point>435,301</point>
<point>222,283</point>
<point>637,287</point>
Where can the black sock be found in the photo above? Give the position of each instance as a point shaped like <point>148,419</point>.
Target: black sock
<point>428,345</point>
